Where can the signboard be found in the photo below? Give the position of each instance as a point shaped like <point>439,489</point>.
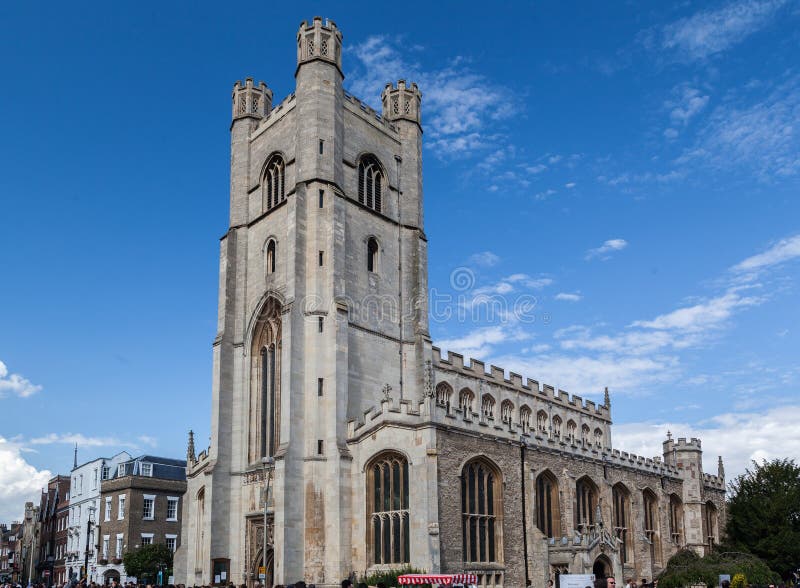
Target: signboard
<point>46,573</point>
<point>262,573</point>
<point>217,579</point>
<point>223,576</point>
<point>576,580</point>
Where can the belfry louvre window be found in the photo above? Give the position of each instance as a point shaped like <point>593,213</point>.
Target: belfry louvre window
<point>370,182</point>
<point>273,182</point>
<point>387,510</point>
<point>480,507</point>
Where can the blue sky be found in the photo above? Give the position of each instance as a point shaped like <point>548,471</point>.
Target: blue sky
<point>616,182</point>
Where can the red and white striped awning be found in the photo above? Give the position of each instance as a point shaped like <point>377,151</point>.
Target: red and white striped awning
<point>443,579</point>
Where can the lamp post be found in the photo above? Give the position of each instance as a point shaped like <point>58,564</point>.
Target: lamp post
<point>269,463</point>
<point>86,553</point>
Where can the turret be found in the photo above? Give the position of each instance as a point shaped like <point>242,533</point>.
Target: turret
<point>249,100</point>
<point>318,41</point>
<point>402,103</point>
<point>720,468</point>
<point>191,457</point>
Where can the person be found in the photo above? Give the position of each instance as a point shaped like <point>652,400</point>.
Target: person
<point>346,583</point>
<point>611,582</point>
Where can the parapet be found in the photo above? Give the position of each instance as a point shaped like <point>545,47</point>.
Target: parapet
<point>477,369</point>
<point>319,41</point>
<point>402,102</point>
<point>692,444</point>
<point>251,101</point>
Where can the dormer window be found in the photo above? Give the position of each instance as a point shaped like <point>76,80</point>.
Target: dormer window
<point>370,182</point>
<point>121,470</point>
<point>146,469</point>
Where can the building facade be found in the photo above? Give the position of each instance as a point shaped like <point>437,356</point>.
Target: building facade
<point>140,504</point>
<point>84,504</point>
<point>342,440</point>
<point>50,521</point>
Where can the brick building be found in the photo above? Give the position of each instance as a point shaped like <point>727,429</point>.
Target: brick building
<point>50,522</point>
<point>140,503</point>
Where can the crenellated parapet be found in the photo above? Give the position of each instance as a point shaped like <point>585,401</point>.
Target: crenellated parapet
<point>319,40</point>
<point>249,100</point>
<point>367,112</point>
<point>402,102</point>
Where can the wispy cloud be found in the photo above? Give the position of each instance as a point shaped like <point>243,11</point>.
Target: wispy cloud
<point>86,441</point>
<point>568,296</point>
<point>15,384</point>
<point>686,103</point>
<point>479,342</point>
<point>784,250</point>
<point>460,105</point>
<point>713,31</point>
<point>606,249</point>
<point>484,259</point>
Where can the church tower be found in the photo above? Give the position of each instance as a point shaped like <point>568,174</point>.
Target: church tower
<point>322,314</point>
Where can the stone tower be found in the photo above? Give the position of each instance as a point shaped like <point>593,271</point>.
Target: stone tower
<point>322,310</point>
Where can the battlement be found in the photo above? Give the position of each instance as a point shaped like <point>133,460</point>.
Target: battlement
<point>496,375</point>
<point>249,100</point>
<point>691,444</point>
<point>713,482</point>
<point>319,40</point>
<point>402,102</point>
<point>365,110</point>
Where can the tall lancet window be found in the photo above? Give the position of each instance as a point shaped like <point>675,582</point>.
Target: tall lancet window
<point>273,182</point>
<point>265,383</point>
<point>370,182</point>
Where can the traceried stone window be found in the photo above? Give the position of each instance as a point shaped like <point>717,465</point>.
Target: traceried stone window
<point>487,406</point>
<point>388,534</point>
<point>541,421</point>
<point>481,508</point>
<point>370,182</point>
<point>273,182</point>
<point>710,522</point>
<point>598,438</point>
<point>443,394</point>
<point>585,504</point>
<point>465,400</point>
<point>507,411</point>
<point>323,47</point>
<point>585,439</point>
<point>557,427</point>
<point>676,519</point>
<point>571,431</point>
<point>265,385</point>
<point>548,512</point>
<point>621,514</point>
<point>650,503</point>
<point>525,419</point>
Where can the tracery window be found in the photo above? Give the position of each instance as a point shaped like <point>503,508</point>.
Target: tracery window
<point>557,427</point>
<point>650,503</point>
<point>541,421</point>
<point>676,519</point>
<point>710,524</point>
<point>585,435</point>
<point>585,504</point>
<point>621,520</point>
<point>265,385</point>
<point>506,411</point>
<point>273,182</point>
<point>443,394</point>
<point>372,254</point>
<point>370,182</point>
<point>598,438</point>
<point>548,512</point>
<point>571,429</point>
<point>388,534</point>
<point>525,419</point>
<point>487,406</point>
<point>481,507</point>
<point>465,400</point>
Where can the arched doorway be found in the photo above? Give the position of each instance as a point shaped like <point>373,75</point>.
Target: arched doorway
<point>602,568</point>
<point>109,575</point>
<point>269,581</point>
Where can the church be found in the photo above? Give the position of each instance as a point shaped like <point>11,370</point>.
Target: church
<point>342,440</point>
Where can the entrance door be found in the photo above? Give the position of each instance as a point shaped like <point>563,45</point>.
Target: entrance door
<point>602,568</point>
<point>269,571</point>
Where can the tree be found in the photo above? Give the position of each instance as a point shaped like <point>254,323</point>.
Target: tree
<point>146,561</point>
<point>764,514</point>
<point>686,568</point>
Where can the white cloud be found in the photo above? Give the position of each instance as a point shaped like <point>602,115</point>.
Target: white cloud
<point>783,251</point>
<point>479,342</point>
<point>738,437</point>
<point>688,103</point>
<point>21,481</point>
<point>704,315</point>
<point>485,259</point>
<point>15,384</point>
<point>536,169</point>
<point>83,441</point>
<point>460,106</point>
<point>544,194</point>
<point>568,297</point>
<point>712,31</point>
<point>569,185</point>
<point>604,251</point>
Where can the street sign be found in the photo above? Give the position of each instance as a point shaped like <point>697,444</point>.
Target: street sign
<point>46,573</point>
<point>262,573</point>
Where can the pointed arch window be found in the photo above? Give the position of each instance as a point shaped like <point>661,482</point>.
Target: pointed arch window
<point>525,419</point>
<point>370,182</point>
<point>388,534</point>
<point>650,502</point>
<point>571,431</point>
<point>372,254</point>
<point>557,427</point>
<point>481,507</point>
<point>506,411</point>
<point>598,438</point>
<point>487,406</point>
<point>548,513</point>
<point>443,394</point>
<point>270,256</point>
<point>585,504</point>
<point>621,520</point>
<point>265,383</point>
<point>465,400</point>
<point>541,421</point>
<point>273,182</point>
<point>585,436</point>
<point>676,519</point>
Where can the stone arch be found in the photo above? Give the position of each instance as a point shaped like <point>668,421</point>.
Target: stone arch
<point>676,519</point>
<point>487,406</point>
<point>265,382</point>
<point>444,395</point>
<point>651,524</point>
<point>602,568</point>
<point>482,511</point>
<point>371,181</point>
<point>506,411</point>
<point>273,181</point>
<point>621,517</point>
<point>525,418</point>
<point>387,507</point>
<point>586,500</point>
<point>542,421</point>
<point>547,504</point>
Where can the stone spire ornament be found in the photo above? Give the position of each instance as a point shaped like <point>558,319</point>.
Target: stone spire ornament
<point>190,454</point>
<point>720,468</point>
<point>607,399</point>
<point>386,392</point>
<point>428,379</point>
<point>75,457</point>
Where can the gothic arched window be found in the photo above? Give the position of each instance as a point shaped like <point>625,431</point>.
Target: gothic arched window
<point>487,406</point>
<point>650,502</point>
<point>585,503</point>
<point>388,534</point>
<point>557,427</point>
<point>710,524</point>
<point>525,419</point>
<point>541,421</point>
<point>598,438</point>
<point>548,512</point>
<point>506,411</point>
<point>465,400</point>
<point>481,508</point>
<point>676,519</point>
<point>273,182</point>
<point>269,259</point>
<point>621,515</point>
<point>372,254</point>
<point>265,383</point>
<point>443,394</point>
<point>585,436</point>
<point>571,431</point>
<point>370,182</point>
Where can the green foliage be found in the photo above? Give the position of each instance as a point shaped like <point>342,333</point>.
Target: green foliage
<point>147,560</point>
<point>738,581</point>
<point>764,514</point>
<point>389,577</point>
<point>686,568</point>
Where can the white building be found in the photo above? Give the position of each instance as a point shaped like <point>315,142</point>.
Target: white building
<point>84,502</point>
